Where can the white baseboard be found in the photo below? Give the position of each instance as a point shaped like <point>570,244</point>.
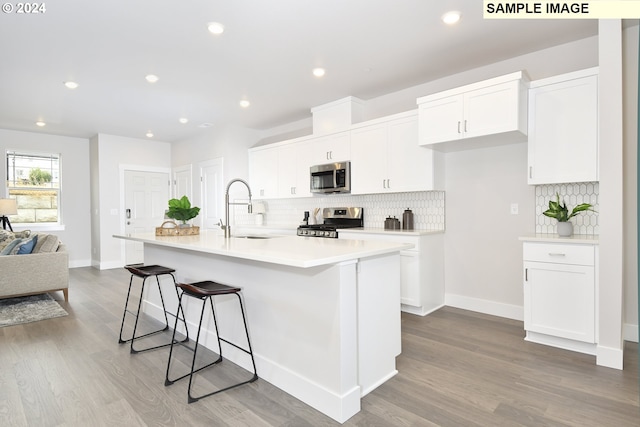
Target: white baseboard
<point>609,357</point>
<point>419,311</point>
<point>630,332</point>
<point>80,263</point>
<point>515,312</point>
<point>567,344</point>
<point>107,265</point>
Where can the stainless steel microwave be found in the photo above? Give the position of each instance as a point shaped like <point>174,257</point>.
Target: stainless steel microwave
<point>331,178</point>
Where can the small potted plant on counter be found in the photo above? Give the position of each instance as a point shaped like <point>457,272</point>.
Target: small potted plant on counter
<point>181,210</point>
<point>558,210</point>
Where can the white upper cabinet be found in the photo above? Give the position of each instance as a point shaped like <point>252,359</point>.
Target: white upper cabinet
<point>386,157</point>
<point>293,170</point>
<point>330,148</point>
<point>488,113</point>
<point>280,170</point>
<point>563,128</point>
<point>263,176</point>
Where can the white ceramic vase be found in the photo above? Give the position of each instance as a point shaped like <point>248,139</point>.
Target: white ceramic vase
<point>565,229</point>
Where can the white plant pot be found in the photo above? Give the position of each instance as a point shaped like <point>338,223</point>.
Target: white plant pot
<point>565,229</point>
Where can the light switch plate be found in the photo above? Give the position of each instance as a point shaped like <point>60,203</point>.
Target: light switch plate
<point>514,209</point>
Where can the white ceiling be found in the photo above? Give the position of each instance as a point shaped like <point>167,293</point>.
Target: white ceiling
<point>266,54</point>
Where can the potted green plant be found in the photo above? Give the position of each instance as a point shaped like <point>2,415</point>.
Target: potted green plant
<point>181,210</point>
<point>558,210</point>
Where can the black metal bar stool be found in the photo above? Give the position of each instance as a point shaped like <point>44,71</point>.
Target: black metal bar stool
<point>203,291</point>
<point>144,272</point>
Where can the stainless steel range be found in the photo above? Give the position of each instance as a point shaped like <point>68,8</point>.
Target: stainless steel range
<point>333,219</point>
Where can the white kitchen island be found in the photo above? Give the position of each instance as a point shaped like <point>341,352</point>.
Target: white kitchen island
<point>323,314</point>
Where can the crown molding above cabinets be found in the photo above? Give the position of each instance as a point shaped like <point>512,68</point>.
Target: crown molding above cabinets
<point>488,113</point>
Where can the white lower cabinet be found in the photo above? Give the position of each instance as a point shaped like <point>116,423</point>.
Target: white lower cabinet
<point>422,268</point>
<point>560,295</point>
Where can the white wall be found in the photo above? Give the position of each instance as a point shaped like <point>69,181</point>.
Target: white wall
<point>229,143</point>
<point>483,257</point>
<point>108,154</point>
<point>545,63</point>
<point>75,206</point>
<point>630,133</point>
<point>611,216</point>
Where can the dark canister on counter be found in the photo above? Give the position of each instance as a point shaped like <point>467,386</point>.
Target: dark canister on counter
<point>407,220</point>
<point>392,223</point>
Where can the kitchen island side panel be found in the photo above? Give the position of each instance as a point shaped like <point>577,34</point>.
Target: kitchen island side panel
<point>303,322</point>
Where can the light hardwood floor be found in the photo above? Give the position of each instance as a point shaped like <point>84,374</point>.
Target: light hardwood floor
<point>457,368</point>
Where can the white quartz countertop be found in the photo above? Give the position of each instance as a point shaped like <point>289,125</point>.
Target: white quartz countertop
<point>292,251</point>
<point>554,238</point>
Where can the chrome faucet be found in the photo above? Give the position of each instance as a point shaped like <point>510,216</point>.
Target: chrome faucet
<point>227,227</point>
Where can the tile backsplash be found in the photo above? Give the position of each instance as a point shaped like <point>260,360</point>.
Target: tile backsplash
<point>428,209</point>
<point>573,194</point>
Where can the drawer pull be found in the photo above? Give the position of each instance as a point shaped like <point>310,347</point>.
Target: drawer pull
<point>557,254</point>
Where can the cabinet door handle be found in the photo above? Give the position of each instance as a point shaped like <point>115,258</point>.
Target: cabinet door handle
<point>389,183</point>
<point>530,171</point>
<point>465,126</point>
<point>560,254</point>
<point>526,274</point>
<point>384,183</point>
<point>458,126</point>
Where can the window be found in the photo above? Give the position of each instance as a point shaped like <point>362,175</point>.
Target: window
<point>33,179</point>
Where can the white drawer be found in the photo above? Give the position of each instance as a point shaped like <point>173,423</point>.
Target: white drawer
<point>559,253</point>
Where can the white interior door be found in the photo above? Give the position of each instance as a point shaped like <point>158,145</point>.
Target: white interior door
<point>182,185</point>
<point>212,188</point>
<point>146,199</point>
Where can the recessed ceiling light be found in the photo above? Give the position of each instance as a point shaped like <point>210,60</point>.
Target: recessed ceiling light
<point>451,17</point>
<point>151,78</point>
<point>40,123</point>
<point>149,134</point>
<point>71,85</point>
<point>319,72</point>
<point>183,120</point>
<point>244,103</point>
<point>215,28</point>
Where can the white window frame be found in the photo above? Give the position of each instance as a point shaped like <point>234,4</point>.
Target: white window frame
<point>58,225</point>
